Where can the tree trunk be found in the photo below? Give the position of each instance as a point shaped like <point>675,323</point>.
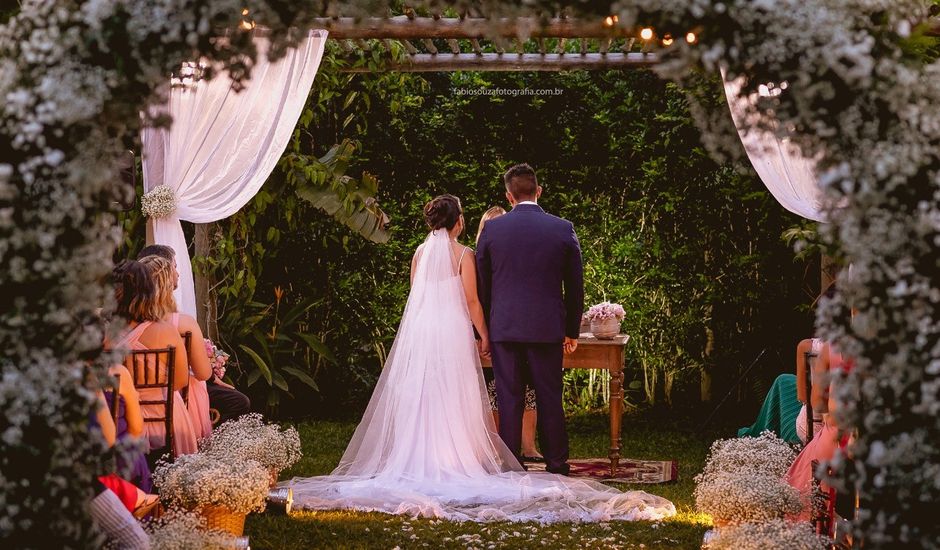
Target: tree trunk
<point>206,298</point>
<point>706,382</point>
<point>827,272</point>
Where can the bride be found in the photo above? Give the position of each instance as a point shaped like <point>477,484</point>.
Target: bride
<point>427,445</point>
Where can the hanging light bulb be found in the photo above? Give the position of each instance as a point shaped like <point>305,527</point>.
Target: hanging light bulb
<point>646,33</point>
<point>609,21</point>
<point>691,38</point>
<point>667,40</point>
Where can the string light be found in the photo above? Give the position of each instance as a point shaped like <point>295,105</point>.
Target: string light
<point>691,38</point>
<point>667,40</point>
<point>646,33</point>
<point>245,24</point>
<point>610,20</point>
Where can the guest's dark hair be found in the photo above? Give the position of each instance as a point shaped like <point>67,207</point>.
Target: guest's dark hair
<point>158,250</point>
<point>134,291</point>
<point>442,212</point>
<point>520,182</point>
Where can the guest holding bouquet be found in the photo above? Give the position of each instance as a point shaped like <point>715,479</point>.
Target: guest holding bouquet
<point>213,393</point>
<point>197,403</point>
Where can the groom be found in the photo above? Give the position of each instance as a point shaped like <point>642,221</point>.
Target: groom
<point>532,290</point>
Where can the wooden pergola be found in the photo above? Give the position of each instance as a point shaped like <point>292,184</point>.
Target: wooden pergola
<point>502,44</point>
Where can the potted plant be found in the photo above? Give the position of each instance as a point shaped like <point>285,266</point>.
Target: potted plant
<point>179,529</point>
<point>605,320</point>
<point>221,489</point>
<point>249,437</point>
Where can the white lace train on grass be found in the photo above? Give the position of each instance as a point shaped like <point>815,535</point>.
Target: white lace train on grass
<point>427,445</point>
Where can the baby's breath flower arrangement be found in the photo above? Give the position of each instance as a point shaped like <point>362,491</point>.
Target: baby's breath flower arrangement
<point>776,533</point>
<point>249,437</point>
<point>198,480</point>
<point>766,454</point>
<point>159,202</point>
<point>182,530</point>
<point>737,497</point>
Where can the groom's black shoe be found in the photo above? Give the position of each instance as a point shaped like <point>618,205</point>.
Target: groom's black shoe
<point>564,469</point>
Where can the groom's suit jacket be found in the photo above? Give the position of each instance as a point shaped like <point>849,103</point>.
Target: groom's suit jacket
<point>531,281</point>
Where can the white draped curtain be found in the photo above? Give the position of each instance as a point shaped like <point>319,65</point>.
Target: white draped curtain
<point>789,176</point>
<point>223,144</point>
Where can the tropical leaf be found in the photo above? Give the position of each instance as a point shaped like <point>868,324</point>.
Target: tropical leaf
<point>367,219</point>
<point>302,376</point>
<point>259,362</point>
<point>318,347</point>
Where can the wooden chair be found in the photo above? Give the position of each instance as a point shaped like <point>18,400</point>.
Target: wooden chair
<point>810,359</point>
<point>187,341</point>
<point>153,368</point>
<point>115,399</point>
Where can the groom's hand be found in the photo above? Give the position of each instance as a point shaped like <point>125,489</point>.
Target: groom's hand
<point>571,344</point>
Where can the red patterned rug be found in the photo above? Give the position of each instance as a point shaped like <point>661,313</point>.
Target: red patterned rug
<point>628,471</point>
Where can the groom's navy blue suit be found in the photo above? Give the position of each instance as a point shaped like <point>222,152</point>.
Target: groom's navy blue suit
<point>532,289</point>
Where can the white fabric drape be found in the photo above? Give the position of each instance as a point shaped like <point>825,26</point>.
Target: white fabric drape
<point>789,176</point>
<point>223,144</point>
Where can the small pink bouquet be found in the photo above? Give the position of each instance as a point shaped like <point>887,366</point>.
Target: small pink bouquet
<point>217,359</point>
<point>604,311</point>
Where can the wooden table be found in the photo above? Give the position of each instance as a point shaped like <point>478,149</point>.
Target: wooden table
<point>604,355</point>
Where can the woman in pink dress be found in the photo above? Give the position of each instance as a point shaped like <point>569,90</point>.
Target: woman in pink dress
<point>197,400</point>
<point>136,297</point>
<point>825,442</point>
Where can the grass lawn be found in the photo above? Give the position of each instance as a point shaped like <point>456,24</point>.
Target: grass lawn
<point>643,438</point>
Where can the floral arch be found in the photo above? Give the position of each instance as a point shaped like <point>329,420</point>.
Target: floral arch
<point>74,76</point>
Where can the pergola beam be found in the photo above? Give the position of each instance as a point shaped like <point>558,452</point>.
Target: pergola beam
<point>514,62</point>
<point>404,28</point>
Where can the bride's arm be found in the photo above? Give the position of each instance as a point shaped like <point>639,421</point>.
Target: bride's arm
<point>468,276</point>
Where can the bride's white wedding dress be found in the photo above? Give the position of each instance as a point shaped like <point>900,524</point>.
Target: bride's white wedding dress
<point>427,445</point>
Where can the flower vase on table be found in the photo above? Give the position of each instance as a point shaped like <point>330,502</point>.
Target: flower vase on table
<point>605,320</point>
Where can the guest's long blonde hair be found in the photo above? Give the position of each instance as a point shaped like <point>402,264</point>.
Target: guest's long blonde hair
<point>494,212</point>
<point>161,271</point>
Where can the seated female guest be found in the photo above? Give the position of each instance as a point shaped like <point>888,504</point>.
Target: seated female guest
<point>108,510</point>
<point>136,298</point>
<point>197,402</point>
<point>228,401</point>
<point>130,425</point>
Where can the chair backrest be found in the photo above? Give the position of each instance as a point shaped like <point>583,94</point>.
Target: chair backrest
<point>187,345</point>
<point>808,373</point>
<point>154,368</point>
<point>114,402</point>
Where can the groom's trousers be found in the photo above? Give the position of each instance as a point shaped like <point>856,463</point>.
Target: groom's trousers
<point>541,365</point>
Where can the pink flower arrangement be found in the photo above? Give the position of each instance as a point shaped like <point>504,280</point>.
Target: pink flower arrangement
<point>217,359</point>
<point>605,310</point>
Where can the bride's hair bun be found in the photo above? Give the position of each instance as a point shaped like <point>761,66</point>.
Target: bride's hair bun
<point>442,212</point>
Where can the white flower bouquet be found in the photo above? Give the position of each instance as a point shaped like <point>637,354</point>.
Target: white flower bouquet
<point>604,311</point>
<point>766,454</point>
<point>181,530</point>
<point>159,202</point>
<point>776,533</point>
<point>200,480</point>
<point>738,497</point>
<point>217,359</point>
<point>249,437</point>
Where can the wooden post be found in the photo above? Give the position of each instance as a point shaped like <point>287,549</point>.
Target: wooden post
<point>827,271</point>
<point>206,299</point>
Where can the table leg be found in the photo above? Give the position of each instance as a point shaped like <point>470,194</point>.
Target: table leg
<point>616,414</point>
